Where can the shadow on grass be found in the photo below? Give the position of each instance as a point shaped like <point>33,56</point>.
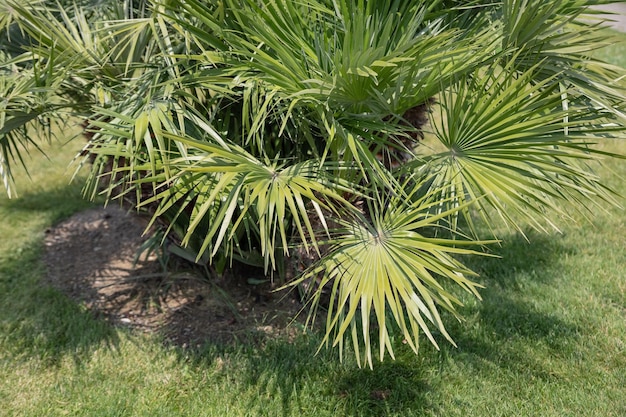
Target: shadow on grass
<point>511,336</point>
<point>38,321</point>
<point>516,316</point>
<point>502,332</point>
<point>288,378</point>
<point>60,201</point>
<point>391,388</point>
<point>520,260</point>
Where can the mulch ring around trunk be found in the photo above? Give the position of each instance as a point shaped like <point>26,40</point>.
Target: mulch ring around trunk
<point>92,258</point>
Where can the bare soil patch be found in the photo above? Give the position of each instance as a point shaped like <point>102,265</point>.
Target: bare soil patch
<point>91,257</point>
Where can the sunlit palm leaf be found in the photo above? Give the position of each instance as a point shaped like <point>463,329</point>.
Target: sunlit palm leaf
<point>26,108</point>
<point>512,142</point>
<point>559,37</point>
<point>242,188</point>
<point>386,272</point>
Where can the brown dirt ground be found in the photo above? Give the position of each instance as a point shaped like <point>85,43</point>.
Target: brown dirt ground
<point>91,257</point>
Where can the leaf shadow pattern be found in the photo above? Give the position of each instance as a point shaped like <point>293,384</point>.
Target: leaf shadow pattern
<point>36,319</point>
<point>519,258</point>
<point>409,385</point>
<point>60,201</point>
<point>39,321</point>
<point>511,314</point>
<point>399,387</point>
<point>282,373</point>
<point>281,370</point>
<point>276,368</point>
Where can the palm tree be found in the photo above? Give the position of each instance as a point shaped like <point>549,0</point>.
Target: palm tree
<point>294,135</point>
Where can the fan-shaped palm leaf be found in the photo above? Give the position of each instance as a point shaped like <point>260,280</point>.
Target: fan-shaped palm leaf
<point>512,142</point>
<point>385,268</point>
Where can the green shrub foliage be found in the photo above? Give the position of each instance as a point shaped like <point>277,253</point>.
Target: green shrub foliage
<point>358,145</point>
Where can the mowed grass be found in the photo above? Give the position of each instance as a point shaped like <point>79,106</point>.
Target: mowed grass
<point>548,339</point>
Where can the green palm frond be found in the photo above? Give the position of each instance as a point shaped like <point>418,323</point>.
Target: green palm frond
<point>360,60</point>
<point>27,107</point>
<point>262,196</point>
<point>560,38</point>
<point>348,83</point>
<point>9,14</point>
<point>510,141</point>
<point>387,273</point>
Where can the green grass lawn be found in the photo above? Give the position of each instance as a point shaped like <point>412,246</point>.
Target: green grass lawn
<point>549,338</point>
